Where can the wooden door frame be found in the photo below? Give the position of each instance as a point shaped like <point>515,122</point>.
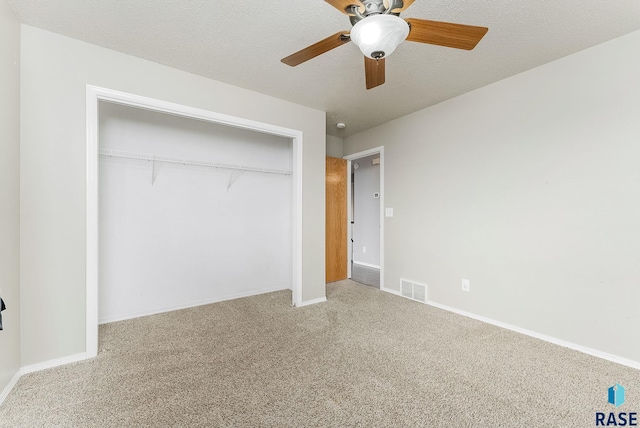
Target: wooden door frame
<point>350,158</point>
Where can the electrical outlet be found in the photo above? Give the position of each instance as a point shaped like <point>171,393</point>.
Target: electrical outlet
<point>364,249</point>
<point>465,285</point>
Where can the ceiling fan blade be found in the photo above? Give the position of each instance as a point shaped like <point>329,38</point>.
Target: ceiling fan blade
<point>407,3</point>
<point>445,33</point>
<point>342,5</point>
<point>316,49</point>
<point>374,72</point>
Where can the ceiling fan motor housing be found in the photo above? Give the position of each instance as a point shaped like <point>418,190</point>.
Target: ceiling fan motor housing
<point>373,6</point>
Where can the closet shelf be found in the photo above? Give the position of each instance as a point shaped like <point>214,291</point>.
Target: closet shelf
<point>166,159</point>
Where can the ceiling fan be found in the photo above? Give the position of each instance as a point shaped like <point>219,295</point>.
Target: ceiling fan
<point>378,30</point>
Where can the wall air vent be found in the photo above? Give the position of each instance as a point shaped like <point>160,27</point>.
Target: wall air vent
<point>406,288</point>
<point>413,290</point>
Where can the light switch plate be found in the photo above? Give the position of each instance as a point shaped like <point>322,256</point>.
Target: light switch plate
<point>388,212</point>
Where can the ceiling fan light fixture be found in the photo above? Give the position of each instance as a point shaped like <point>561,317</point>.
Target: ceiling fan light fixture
<point>378,36</point>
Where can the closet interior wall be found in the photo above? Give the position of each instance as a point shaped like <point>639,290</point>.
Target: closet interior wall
<point>176,235</point>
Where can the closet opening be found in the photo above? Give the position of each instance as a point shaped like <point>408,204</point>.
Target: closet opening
<point>186,207</point>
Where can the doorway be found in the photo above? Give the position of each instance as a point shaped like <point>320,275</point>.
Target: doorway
<point>365,196</point>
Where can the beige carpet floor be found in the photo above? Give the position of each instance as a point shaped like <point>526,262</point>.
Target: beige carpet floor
<point>365,358</point>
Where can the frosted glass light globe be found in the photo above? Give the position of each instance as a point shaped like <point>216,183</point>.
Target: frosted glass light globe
<point>370,33</point>
<point>378,36</point>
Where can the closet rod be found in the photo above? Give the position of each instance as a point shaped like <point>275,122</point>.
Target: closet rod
<point>165,159</point>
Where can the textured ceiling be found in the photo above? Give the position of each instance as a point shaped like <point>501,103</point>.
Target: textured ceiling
<point>242,42</point>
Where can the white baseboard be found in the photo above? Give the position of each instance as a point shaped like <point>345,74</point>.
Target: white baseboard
<point>38,367</point>
<point>389,290</point>
<point>585,350</point>
<point>313,301</point>
<point>53,363</point>
<point>366,264</point>
<point>9,387</point>
<point>191,304</point>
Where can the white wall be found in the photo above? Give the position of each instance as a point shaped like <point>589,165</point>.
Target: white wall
<point>366,211</point>
<point>189,238</point>
<point>335,147</point>
<point>9,193</point>
<point>530,188</point>
<point>54,74</point>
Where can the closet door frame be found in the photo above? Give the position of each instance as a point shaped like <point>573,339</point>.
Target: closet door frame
<point>97,94</point>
